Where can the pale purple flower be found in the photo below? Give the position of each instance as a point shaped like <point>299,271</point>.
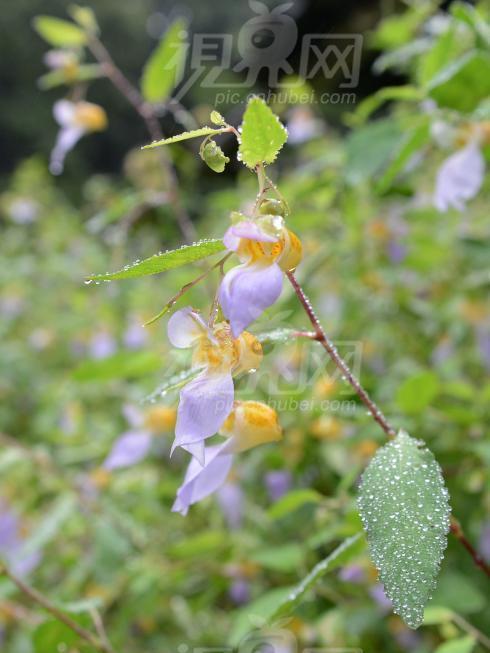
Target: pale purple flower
<point>207,400</point>
<point>377,593</point>
<point>352,574</point>
<point>239,591</point>
<point>397,251</point>
<point>302,126</point>
<point>202,480</point>
<point>102,345</point>
<point>129,449</point>
<point>459,178</point>
<point>278,483</point>
<point>135,335</point>
<point>132,446</point>
<point>230,499</point>
<point>20,561</point>
<point>248,289</point>
<point>23,210</point>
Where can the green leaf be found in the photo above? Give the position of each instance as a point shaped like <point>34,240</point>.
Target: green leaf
<point>276,335</point>
<point>262,135</point>
<point>213,156</point>
<point>257,612</point>
<point>292,501</point>
<point>85,17</point>
<point>164,261</point>
<point>460,645</point>
<point>165,67</point>
<point>414,140</point>
<point>217,119</point>
<point>404,508</point>
<point>50,527</point>
<point>122,365</point>
<point>52,635</point>
<point>339,556</point>
<point>462,84</point>
<point>57,32</point>
<point>374,101</point>
<point>417,392</point>
<point>280,558</point>
<point>369,149</point>
<point>435,614</point>
<point>58,77</point>
<point>173,383</point>
<point>185,136</point>
<point>459,593</point>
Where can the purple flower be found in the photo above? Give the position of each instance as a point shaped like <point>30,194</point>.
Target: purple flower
<point>352,574</point>
<point>239,591</point>
<point>459,178</point>
<point>267,249</point>
<point>250,424</point>
<point>20,561</point>
<point>377,593</point>
<point>102,345</point>
<point>278,483</point>
<point>230,499</point>
<point>207,400</point>
<point>202,480</point>
<point>129,449</point>
<point>135,335</point>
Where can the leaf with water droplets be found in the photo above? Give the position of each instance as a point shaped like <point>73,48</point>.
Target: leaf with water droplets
<point>343,554</point>
<point>164,261</point>
<point>276,335</point>
<point>262,135</point>
<point>405,511</point>
<point>185,136</point>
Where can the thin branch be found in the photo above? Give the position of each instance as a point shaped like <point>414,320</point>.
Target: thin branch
<point>458,533</point>
<point>320,336</point>
<point>40,599</point>
<point>149,115</point>
<point>331,350</point>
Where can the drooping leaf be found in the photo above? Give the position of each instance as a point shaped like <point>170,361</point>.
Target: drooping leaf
<point>185,136</point>
<point>164,261</point>
<point>339,556</point>
<point>165,67</point>
<point>417,392</point>
<point>262,134</point>
<point>213,156</point>
<point>59,32</point>
<point>292,501</point>
<point>463,83</point>
<point>404,508</point>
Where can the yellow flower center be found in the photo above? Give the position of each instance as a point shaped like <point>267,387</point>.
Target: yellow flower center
<point>90,116</point>
<point>240,355</point>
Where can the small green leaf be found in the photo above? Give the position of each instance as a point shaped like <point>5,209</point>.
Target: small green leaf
<point>257,612</point>
<point>85,17</point>
<point>217,119</point>
<point>417,392</point>
<point>463,83</point>
<point>262,135</point>
<point>374,101</point>
<point>165,67</point>
<point>404,508</point>
<point>280,558</point>
<point>194,133</point>
<point>459,645</point>
<point>339,556</point>
<point>435,614</point>
<point>213,156</point>
<point>164,261</point>
<point>57,32</point>
<point>292,501</point>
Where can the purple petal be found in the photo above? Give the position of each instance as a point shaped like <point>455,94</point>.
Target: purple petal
<point>459,178</point>
<point>128,450</point>
<point>278,483</point>
<point>205,403</point>
<point>230,498</point>
<point>246,291</point>
<point>200,482</point>
<point>245,229</point>
<point>185,327</point>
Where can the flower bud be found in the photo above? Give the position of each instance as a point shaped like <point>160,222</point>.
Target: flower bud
<point>292,252</point>
<point>249,353</point>
<point>272,207</point>
<point>250,424</point>
<point>90,116</point>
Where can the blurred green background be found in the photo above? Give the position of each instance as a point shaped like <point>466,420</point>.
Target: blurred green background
<point>401,287</point>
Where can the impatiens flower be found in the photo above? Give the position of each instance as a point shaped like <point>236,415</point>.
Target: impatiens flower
<point>459,178</point>
<point>207,400</point>
<point>250,424</point>
<point>75,119</point>
<point>267,250</point>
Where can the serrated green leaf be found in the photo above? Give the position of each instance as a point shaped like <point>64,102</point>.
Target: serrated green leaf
<point>216,118</point>
<point>59,32</point>
<point>185,136</point>
<point>164,261</point>
<point>404,508</point>
<point>463,83</point>
<point>339,556</point>
<point>262,135</point>
<point>165,67</point>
